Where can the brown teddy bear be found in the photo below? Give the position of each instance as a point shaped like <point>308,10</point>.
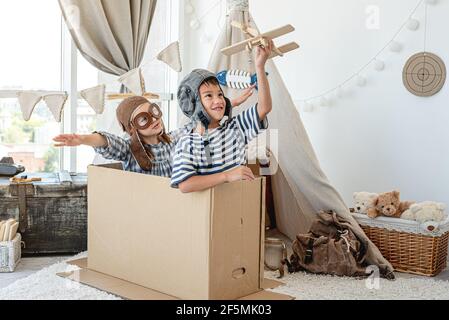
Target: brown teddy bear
<point>388,204</point>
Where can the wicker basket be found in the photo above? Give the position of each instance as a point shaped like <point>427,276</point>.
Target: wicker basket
<point>10,254</point>
<point>407,245</point>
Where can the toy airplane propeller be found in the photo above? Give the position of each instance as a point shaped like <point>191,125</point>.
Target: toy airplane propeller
<point>257,39</point>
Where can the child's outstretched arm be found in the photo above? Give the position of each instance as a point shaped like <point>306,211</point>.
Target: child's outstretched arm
<point>74,140</point>
<point>245,96</point>
<point>107,145</point>
<point>265,103</point>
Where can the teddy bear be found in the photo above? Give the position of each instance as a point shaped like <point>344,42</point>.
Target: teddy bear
<point>363,201</point>
<point>428,213</point>
<point>390,205</point>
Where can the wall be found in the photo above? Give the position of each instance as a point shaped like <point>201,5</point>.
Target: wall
<point>378,137</point>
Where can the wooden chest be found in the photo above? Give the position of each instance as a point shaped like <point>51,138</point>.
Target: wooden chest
<point>52,213</point>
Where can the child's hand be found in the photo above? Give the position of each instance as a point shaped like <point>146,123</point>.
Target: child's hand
<point>245,96</point>
<point>68,140</point>
<point>263,53</point>
<point>240,173</point>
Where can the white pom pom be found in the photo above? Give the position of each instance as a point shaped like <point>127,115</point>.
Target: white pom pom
<point>413,24</point>
<point>361,81</point>
<point>188,9</point>
<point>308,107</point>
<point>205,38</point>
<point>340,93</point>
<point>395,46</point>
<point>324,102</point>
<point>195,24</point>
<point>379,65</point>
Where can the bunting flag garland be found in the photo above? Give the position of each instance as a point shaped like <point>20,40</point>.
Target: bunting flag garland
<point>56,102</point>
<point>171,56</point>
<point>28,101</point>
<point>95,97</point>
<point>134,81</point>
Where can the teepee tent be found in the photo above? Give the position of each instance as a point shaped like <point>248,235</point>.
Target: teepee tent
<point>300,188</point>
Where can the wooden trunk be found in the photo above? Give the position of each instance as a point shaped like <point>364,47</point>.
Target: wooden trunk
<point>52,213</point>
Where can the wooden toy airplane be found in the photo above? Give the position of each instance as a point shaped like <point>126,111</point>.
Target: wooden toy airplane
<point>257,39</point>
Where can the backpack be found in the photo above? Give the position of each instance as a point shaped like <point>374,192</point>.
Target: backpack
<point>330,247</point>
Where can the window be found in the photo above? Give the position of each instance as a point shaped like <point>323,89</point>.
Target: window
<point>41,56</point>
<point>29,60</point>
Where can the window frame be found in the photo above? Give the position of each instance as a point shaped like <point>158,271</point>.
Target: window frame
<point>69,83</point>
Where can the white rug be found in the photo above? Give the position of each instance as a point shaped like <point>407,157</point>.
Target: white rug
<point>46,285</point>
<point>304,286</point>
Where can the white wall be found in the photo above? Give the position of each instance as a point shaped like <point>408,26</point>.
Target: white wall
<point>195,48</point>
<point>378,137</point>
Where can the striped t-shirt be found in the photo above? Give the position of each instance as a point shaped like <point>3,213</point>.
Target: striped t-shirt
<point>119,149</point>
<point>227,145</point>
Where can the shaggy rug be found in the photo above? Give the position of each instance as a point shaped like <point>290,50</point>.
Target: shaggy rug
<point>46,285</point>
<point>306,286</point>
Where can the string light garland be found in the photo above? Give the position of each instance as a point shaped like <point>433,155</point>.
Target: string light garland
<point>339,91</point>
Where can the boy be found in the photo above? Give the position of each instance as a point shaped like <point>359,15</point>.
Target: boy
<point>215,153</point>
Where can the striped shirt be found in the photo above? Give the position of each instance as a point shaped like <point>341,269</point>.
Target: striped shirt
<point>119,149</point>
<point>227,143</point>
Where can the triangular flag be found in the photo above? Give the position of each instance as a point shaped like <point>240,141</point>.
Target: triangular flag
<point>55,102</point>
<point>171,56</point>
<point>134,81</point>
<point>28,101</point>
<point>95,97</point>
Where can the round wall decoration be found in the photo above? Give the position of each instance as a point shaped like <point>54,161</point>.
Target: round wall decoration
<point>424,74</point>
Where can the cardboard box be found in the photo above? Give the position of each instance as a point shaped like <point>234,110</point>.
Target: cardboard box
<point>131,291</point>
<point>263,169</point>
<point>145,235</point>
